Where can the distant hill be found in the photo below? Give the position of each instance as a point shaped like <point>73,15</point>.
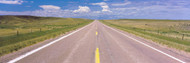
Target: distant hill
<point>22,21</point>
<point>19,19</point>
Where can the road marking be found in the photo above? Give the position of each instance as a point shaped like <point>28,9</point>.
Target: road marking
<point>38,49</point>
<point>148,46</point>
<point>97,56</point>
<point>96,33</point>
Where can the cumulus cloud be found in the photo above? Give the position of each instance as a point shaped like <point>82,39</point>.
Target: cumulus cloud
<point>50,7</point>
<point>121,4</point>
<point>11,1</point>
<point>104,6</point>
<point>82,9</point>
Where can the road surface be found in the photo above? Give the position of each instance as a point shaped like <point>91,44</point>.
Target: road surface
<point>98,43</point>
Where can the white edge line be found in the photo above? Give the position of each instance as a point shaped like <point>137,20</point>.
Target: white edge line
<point>148,46</point>
<point>36,50</point>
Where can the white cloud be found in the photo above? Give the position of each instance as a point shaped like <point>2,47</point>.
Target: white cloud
<point>82,9</point>
<point>104,6</point>
<point>97,12</point>
<point>106,0</point>
<point>11,1</point>
<point>121,4</point>
<point>126,8</point>
<point>101,3</point>
<point>50,7</point>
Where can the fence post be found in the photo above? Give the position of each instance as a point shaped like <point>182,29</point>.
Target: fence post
<point>17,32</point>
<point>40,29</point>
<point>183,36</point>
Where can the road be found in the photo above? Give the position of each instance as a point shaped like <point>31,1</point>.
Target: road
<point>98,43</point>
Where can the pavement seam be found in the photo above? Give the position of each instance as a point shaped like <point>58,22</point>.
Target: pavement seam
<point>76,47</point>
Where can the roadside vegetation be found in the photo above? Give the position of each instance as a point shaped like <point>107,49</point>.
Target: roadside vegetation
<point>172,33</point>
<point>17,32</point>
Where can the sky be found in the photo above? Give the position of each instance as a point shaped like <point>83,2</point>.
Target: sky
<point>99,9</point>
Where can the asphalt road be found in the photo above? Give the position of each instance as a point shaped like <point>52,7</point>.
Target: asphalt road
<point>96,43</point>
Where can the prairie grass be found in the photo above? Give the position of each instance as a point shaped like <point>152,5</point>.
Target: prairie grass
<point>17,32</point>
<point>173,33</point>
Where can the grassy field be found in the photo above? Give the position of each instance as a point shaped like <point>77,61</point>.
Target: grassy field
<point>173,33</point>
<point>17,32</point>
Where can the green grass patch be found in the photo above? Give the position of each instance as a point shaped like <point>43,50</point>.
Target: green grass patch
<point>33,30</point>
<point>170,37</point>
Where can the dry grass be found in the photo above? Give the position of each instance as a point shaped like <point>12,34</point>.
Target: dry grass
<point>167,32</point>
<point>29,30</point>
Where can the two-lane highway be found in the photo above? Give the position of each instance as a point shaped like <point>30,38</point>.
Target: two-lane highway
<point>98,43</point>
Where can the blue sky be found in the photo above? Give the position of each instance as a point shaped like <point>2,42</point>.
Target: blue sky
<point>99,9</point>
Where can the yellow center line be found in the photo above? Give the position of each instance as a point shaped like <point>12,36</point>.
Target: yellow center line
<point>97,56</point>
<point>96,33</point>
